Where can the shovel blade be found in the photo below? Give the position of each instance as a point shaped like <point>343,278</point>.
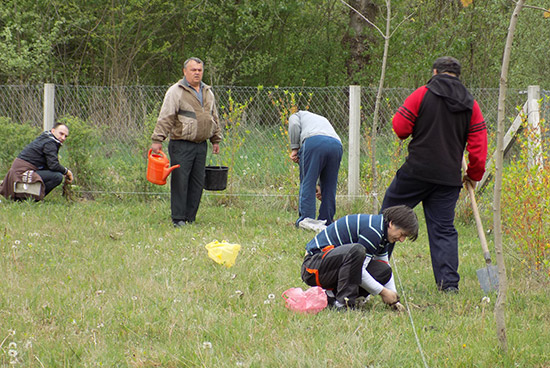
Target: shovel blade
<point>488,278</point>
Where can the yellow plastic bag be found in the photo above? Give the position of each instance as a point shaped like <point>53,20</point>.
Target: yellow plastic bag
<point>223,253</point>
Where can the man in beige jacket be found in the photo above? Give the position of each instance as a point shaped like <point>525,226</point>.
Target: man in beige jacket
<point>188,117</point>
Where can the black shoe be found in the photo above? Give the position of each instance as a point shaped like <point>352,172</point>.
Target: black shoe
<point>450,290</point>
<point>179,223</point>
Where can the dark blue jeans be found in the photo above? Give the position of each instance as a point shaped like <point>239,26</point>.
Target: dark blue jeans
<point>187,181</point>
<point>320,158</point>
<point>51,179</point>
<point>439,202</point>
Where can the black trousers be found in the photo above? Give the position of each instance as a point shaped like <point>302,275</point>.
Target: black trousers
<point>187,182</point>
<point>339,269</point>
<point>51,179</point>
<point>439,202</point>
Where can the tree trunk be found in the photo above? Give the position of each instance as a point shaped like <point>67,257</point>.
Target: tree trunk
<point>375,201</point>
<point>358,39</point>
<point>500,305</point>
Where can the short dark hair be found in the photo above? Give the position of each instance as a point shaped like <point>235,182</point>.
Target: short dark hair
<point>195,59</point>
<point>447,64</point>
<point>404,218</point>
<point>56,125</point>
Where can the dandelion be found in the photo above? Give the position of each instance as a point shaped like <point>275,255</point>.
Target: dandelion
<point>267,301</point>
<point>28,344</point>
<point>271,296</point>
<point>239,293</point>
<point>486,300</point>
<point>99,292</point>
<point>12,345</point>
<point>184,259</point>
<point>207,345</point>
<point>17,242</point>
<point>12,353</point>
<point>254,315</point>
<point>134,298</point>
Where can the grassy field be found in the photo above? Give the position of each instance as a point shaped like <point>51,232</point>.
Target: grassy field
<point>111,283</point>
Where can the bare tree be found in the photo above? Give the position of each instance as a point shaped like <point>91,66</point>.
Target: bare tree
<point>386,36</point>
<point>500,305</point>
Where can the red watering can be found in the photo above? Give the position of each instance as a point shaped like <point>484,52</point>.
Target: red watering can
<point>158,167</point>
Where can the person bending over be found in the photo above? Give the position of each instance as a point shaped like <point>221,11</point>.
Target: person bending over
<point>350,257</point>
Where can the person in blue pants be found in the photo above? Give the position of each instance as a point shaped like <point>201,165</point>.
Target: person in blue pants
<point>317,148</point>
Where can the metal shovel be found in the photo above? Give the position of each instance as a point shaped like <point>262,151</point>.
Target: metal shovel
<point>488,276</point>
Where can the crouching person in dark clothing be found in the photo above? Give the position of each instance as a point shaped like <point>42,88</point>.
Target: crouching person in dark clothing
<point>37,165</point>
<point>350,257</point>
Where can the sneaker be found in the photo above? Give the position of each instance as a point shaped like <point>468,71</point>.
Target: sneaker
<point>312,224</point>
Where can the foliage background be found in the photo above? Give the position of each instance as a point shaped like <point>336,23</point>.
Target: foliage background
<point>271,42</point>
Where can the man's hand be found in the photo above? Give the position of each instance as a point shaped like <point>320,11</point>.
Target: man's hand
<point>467,181</point>
<point>215,148</point>
<point>389,297</point>
<point>156,147</point>
<point>69,176</point>
<point>294,156</point>
<point>318,193</point>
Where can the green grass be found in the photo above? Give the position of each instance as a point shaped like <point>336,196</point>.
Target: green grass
<point>111,283</point>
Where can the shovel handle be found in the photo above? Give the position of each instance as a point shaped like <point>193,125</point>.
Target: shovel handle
<point>479,225</point>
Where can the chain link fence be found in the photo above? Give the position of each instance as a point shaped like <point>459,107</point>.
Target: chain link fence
<point>111,128</point>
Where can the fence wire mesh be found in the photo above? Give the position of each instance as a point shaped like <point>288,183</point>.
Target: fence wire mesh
<point>111,128</point>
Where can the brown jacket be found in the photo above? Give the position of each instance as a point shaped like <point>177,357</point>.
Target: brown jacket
<point>23,172</point>
<point>182,117</point>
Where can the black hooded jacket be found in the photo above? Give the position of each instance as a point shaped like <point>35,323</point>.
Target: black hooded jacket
<point>440,132</point>
<point>42,153</point>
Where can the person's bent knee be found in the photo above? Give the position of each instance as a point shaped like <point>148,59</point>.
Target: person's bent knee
<point>358,250</point>
<point>380,271</point>
<point>57,178</point>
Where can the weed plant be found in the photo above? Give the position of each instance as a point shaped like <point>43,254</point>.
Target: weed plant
<point>111,283</point>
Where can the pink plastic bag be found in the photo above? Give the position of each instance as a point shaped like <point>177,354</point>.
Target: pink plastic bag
<point>313,300</point>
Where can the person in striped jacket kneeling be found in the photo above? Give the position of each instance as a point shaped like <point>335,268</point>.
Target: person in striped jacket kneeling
<point>350,257</point>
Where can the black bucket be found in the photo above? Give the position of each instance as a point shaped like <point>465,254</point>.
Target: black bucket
<point>215,177</point>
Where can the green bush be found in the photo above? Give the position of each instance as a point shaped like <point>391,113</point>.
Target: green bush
<point>83,148</point>
<point>526,207</point>
<point>18,135</point>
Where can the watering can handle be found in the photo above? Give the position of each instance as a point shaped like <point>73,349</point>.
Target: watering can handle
<point>160,153</point>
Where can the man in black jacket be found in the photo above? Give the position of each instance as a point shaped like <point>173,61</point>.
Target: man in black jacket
<point>38,162</point>
<point>443,119</point>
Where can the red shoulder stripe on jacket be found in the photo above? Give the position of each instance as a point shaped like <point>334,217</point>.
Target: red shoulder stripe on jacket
<point>403,121</point>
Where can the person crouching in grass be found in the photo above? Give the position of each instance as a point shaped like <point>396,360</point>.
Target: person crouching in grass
<point>350,257</point>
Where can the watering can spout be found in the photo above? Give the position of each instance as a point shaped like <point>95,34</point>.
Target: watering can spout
<point>168,170</point>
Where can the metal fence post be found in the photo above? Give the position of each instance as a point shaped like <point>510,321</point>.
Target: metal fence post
<point>354,140</point>
<point>533,118</point>
<point>49,106</point>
